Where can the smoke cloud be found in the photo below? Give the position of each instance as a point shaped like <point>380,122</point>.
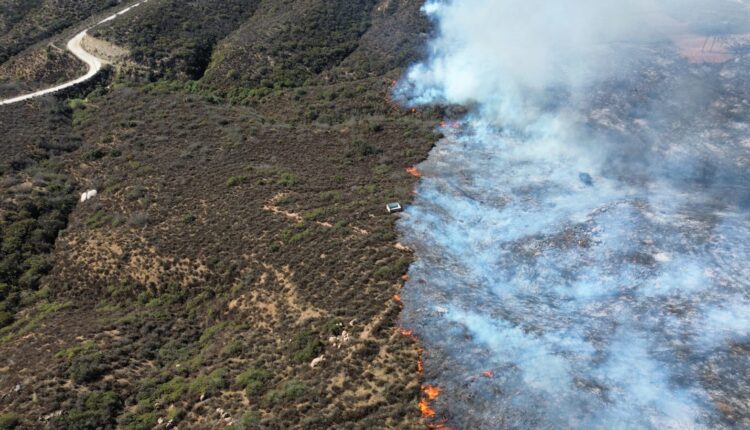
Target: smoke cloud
<point>508,55</point>
<point>583,234</point>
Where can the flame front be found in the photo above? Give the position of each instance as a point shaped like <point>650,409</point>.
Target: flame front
<point>431,391</point>
<point>414,172</point>
<point>424,407</point>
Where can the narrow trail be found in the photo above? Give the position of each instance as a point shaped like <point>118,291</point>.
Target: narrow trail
<point>75,46</point>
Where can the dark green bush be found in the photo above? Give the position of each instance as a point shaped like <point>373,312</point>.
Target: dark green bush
<point>210,384</point>
<point>95,410</point>
<point>364,149</point>
<point>307,346</point>
<point>95,154</point>
<point>6,318</point>
<point>87,368</point>
<point>287,392</point>
<point>248,421</point>
<point>234,181</point>
<point>9,421</point>
<point>254,381</point>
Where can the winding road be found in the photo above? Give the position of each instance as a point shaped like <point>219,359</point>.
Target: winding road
<point>75,46</point>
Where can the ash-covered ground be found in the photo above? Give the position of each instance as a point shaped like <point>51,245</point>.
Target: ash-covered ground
<point>591,268</point>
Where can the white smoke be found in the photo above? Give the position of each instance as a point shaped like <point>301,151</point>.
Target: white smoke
<point>508,55</point>
<point>585,231</point>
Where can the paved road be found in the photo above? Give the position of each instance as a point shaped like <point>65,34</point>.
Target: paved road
<point>74,45</point>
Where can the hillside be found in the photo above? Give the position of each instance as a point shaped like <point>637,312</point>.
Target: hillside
<point>25,22</point>
<point>242,161</point>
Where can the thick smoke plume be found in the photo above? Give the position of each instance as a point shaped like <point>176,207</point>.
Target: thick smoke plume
<point>508,55</point>
<point>583,235</point>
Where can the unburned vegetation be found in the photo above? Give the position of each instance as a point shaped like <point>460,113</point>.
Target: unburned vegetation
<point>237,267</point>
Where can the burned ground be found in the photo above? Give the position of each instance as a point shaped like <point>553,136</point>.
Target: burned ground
<point>239,233</point>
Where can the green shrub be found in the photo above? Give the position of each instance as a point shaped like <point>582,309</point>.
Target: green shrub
<point>314,214</point>
<point>297,233</point>
<point>307,346</point>
<point>248,421</point>
<point>376,127</point>
<point>75,350</point>
<point>98,219</point>
<point>364,149</point>
<point>175,414</point>
<point>333,327</point>
<point>172,390</point>
<point>254,381</point>
<point>9,421</point>
<point>95,154</point>
<point>233,349</point>
<point>210,384</point>
<point>76,103</point>
<point>6,319</point>
<point>212,331</point>
<point>234,181</point>
<point>135,193</point>
<point>288,391</point>
<point>96,410</point>
<point>38,266</point>
<point>393,270</point>
<point>86,368</point>
<point>331,196</point>
<point>140,421</point>
<point>289,180</point>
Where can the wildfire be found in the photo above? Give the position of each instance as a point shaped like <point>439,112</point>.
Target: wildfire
<point>488,374</point>
<point>453,124</point>
<point>406,332</point>
<point>414,172</point>
<point>397,297</point>
<point>424,407</point>
<point>431,391</point>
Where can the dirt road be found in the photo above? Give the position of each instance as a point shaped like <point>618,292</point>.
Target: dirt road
<point>74,46</point>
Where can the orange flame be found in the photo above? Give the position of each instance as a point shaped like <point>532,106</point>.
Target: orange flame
<point>424,407</point>
<point>414,172</point>
<point>397,297</point>
<point>488,374</point>
<point>407,332</point>
<point>431,391</point>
